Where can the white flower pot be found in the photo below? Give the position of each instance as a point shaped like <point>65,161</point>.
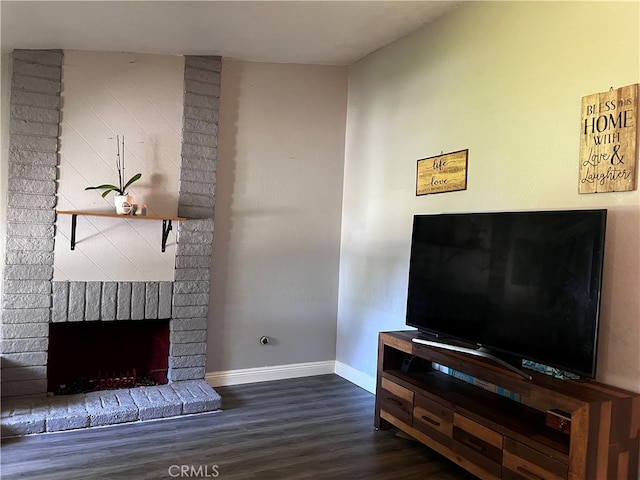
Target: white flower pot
<point>123,204</point>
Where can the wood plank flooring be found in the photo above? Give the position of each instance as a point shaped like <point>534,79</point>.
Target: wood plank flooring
<point>312,428</point>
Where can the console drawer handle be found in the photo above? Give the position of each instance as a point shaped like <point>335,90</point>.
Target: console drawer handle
<point>393,400</point>
<point>430,420</point>
<point>528,474</point>
<point>472,444</point>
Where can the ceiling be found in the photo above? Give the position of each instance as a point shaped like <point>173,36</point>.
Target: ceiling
<point>321,32</point>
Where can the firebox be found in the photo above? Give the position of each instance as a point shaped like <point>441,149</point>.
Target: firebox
<point>89,356</point>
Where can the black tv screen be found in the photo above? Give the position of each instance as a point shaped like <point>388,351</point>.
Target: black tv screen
<point>525,284</point>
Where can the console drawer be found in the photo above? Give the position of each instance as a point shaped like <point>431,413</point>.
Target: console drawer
<point>524,463</point>
<point>396,400</point>
<point>433,419</point>
<point>477,443</point>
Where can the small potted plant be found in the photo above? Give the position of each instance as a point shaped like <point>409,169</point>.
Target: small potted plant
<point>123,200</point>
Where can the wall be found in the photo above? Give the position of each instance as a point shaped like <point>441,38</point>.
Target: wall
<point>278,207</point>
<point>107,94</point>
<point>505,80</point>
<point>5,99</point>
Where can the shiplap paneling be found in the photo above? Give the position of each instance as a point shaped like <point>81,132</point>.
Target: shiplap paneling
<point>104,95</point>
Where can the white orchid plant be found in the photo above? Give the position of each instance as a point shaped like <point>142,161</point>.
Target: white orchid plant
<point>121,188</point>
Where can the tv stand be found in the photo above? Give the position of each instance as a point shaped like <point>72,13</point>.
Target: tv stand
<point>495,437</point>
<point>478,352</point>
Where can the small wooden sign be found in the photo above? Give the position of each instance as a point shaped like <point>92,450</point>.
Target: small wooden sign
<point>442,173</point>
<point>608,141</point>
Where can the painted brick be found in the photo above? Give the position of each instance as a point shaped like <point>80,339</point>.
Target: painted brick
<point>124,301</point>
<point>191,287</point>
<point>201,88</point>
<point>195,212</point>
<point>22,345</point>
<point>24,359</point>
<point>188,336</point>
<point>165,295</point>
<point>36,144</point>
<point>190,311</point>
<point>13,331</point>
<point>30,216</point>
<point>198,164</point>
<point>184,261</point>
<point>39,70</point>
<point>37,85</point>
<point>151,300</point>
<point>44,57</point>
<point>37,160</point>
<point>199,151</point>
<point>19,389</point>
<point>198,125</point>
<point>183,324</point>
<point>66,413</point>
<point>193,249</point>
<point>25,300</point>
<point>196,299</point>
<point>35,114</point>
<point>31,272</point>
<point>197,200</point>
<point>19,200</point>
<point>201,75</point>
<point>32,172</point>
<point>156,402</point>
<point>196,395</point>
<point>202,139</point>
<point>31,244</point>
<point>30,230</point>
<point>27,286</point>
<point>92,300</point>
<point>76,301</point>
<point>29,315</point>
<point>200,238</point>
<point>202,101</point>
<point>181,374</point>
<point>27,127</point>
<point>109,301</point>
<point>204,114</point>
<point>60,296</point>
<point>23,374</point>
<point>188,361</point>
<point>183,349</point>
<point>197,188</point>
<point>213,63</point>
<point>29,258</point>
<point>203,225</point>
<point>20,97</point>
<point>137,300</point>
<point>201,176</point>
<point>192,274</point>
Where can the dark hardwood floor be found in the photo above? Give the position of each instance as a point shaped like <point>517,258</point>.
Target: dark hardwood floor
<point>308,428</point>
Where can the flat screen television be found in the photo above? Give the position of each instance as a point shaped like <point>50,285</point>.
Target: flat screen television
<point>521,284</point>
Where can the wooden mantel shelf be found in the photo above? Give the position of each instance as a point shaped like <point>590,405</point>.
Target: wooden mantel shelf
<point>166,222</point>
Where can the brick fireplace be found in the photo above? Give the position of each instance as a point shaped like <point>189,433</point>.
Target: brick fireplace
<point>32,301</point>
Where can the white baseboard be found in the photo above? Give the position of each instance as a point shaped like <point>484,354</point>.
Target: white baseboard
<point>264,374</point>
<point>356,376</point>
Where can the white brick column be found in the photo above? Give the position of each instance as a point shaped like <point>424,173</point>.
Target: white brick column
<point>31,199</point>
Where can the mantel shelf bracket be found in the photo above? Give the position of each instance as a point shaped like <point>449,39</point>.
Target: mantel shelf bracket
<point>167,226</point>
<point>74,220</point>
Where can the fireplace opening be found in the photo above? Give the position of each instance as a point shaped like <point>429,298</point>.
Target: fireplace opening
<point>89,356</point>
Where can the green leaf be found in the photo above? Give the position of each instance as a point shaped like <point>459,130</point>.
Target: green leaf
<point>135,178</point>
<point>100,187</point>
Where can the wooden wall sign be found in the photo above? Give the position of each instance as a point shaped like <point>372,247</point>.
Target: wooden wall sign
<point>442,173</point>
<point>609,141</point>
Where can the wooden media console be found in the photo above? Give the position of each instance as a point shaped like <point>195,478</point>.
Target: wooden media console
<point>496,436</point>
